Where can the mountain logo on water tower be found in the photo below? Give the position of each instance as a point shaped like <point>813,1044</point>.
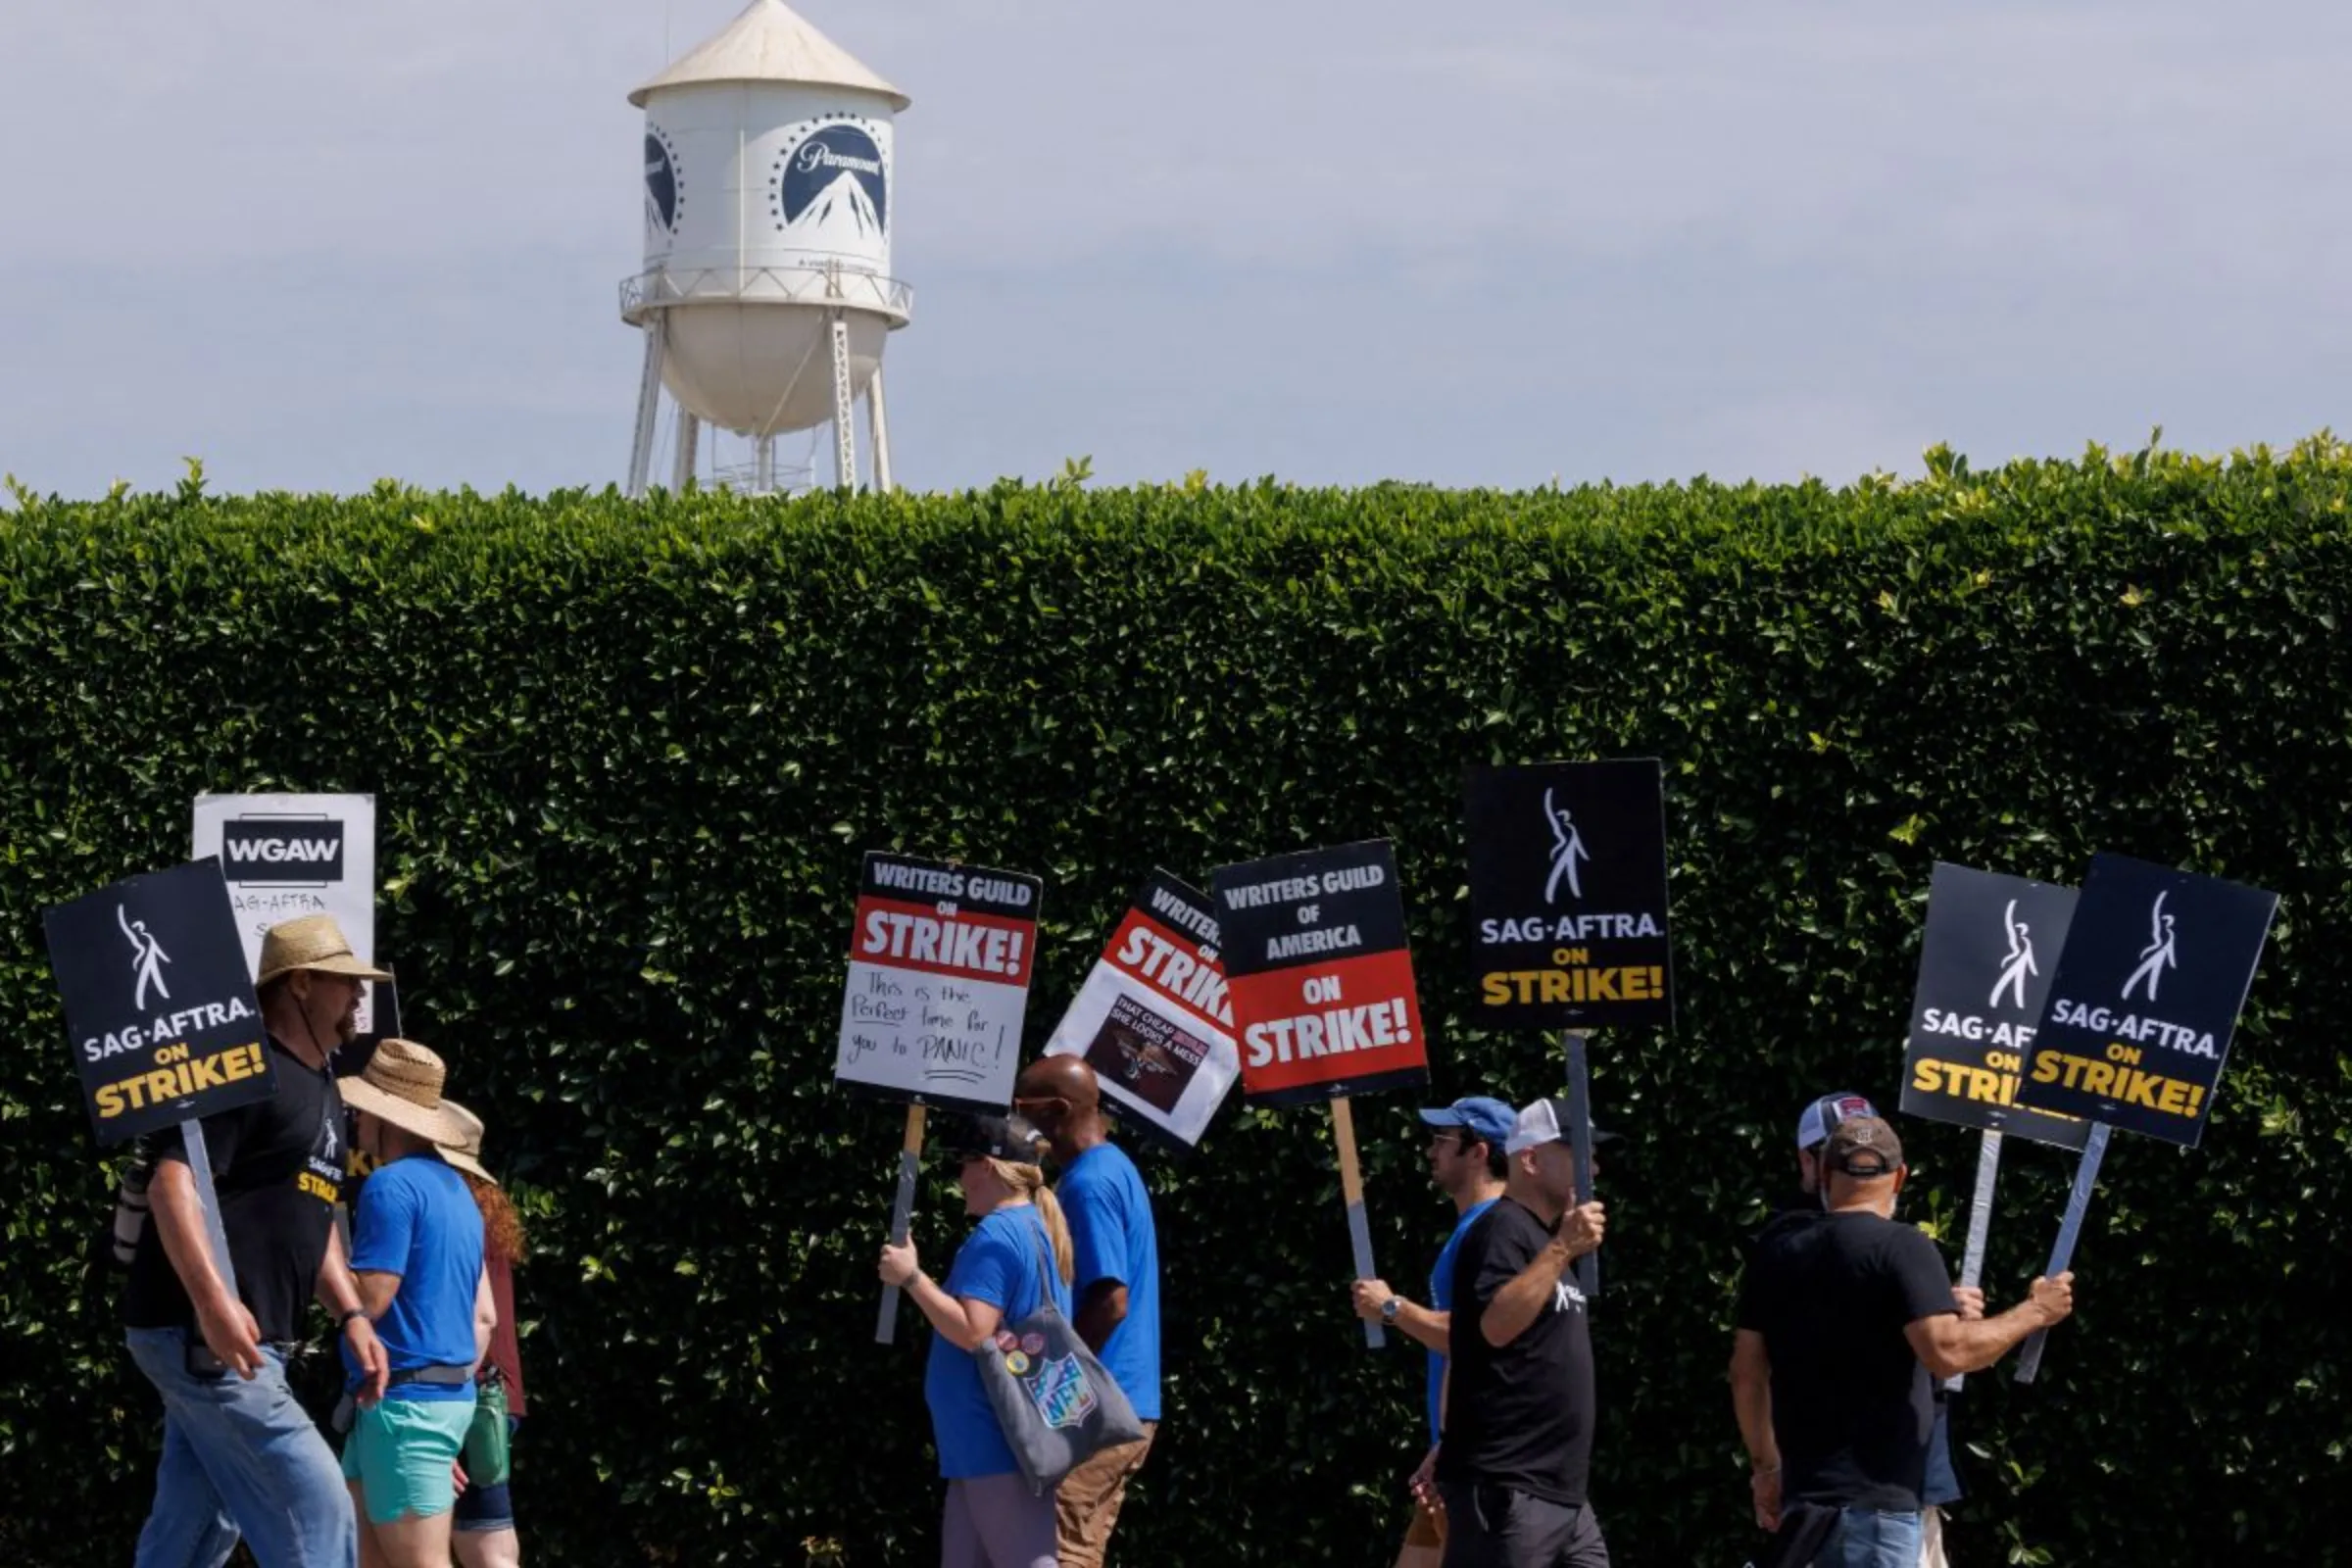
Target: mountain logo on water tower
<point>663,189</point>
<point>833,178</point>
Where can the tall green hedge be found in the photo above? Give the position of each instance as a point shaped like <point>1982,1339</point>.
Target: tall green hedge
<point>626,757</point>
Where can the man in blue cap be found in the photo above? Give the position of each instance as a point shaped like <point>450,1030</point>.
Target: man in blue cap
<point>1467,1161</point>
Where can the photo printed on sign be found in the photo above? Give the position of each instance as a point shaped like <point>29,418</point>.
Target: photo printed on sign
<point>1153,1018</point>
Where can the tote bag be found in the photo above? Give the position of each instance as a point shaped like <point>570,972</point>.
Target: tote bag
<point>1057,1405</point>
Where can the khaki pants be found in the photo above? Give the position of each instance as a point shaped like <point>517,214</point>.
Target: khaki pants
<point>1930,1538</point>
<point>1424,1540</point>
<point>1086,1505</point>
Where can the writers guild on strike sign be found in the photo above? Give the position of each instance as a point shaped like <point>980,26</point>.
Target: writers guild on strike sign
<point>1318,974</point>
<point>1568,894</point>
<point>159,1003</point>
<point>940,960</point>
<point>2146,998</point>
<point>1984,970</point>
<point>1154,1018</point>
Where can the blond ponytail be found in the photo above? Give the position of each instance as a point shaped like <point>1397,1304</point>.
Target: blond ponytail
<point>1030,1182</point>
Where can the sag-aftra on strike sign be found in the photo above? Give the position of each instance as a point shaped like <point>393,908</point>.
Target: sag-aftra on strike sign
<point>159,1003</point>
<point>2157,965</point>
<point>1318,974</point>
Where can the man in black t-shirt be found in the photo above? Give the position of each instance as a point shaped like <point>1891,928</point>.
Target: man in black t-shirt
<point>1843,1316</point>
<point>1518,1442</point>
<point>240,1457</point>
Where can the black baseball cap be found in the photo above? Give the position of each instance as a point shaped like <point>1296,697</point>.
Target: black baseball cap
<point>1011,1137</point>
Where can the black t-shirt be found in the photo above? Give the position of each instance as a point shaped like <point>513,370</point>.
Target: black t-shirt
<point>1851,1407</point>
<point>278,1165</point>
<point>1517,1414</point>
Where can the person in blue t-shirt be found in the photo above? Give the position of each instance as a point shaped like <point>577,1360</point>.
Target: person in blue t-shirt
<point>1467,1161</point>
<point>1000,1276</point>
<point>1116,1285</point>
<point>416,1254</point>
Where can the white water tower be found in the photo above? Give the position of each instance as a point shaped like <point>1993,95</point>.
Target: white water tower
<point>767,293</point>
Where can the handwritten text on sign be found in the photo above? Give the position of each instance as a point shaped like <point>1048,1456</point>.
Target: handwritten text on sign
<point>937,987</point>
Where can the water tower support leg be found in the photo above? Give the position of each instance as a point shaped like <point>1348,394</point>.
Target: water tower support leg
<point>764,469</point>
<point>649,404</point>
<point>681,471</point>
<point>845,433</point>
<point>880,422</point>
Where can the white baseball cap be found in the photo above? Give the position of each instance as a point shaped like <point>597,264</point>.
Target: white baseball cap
<point>1821,1118</point>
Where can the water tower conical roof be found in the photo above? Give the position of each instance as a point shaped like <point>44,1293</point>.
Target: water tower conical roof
<point>770,42</point>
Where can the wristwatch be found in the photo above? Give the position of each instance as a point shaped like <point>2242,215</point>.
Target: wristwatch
<point>343,1318</point>
<point>1390,1308</point>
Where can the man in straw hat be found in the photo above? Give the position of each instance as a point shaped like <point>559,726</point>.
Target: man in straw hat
<point>417,1252</point>
<point>240,1457</point>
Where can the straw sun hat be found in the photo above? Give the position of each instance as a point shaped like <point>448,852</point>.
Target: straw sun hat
<point>466,1152</point>
<point>403,1086</point>
<point>313,942</point>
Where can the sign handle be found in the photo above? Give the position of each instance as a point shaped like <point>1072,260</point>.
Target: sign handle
<point>902,1214</point>
<point>2062,1255</point>
<point>1980,1220</point>
<point>1580,1145</point>
<point>200,1172</point>
<point>1351,1189</point>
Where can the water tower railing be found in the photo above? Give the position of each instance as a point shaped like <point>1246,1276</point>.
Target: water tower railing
<point>766,285</point>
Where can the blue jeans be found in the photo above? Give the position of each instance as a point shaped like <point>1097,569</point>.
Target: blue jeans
<point>1867,1538</point>
<point>239,1458</point>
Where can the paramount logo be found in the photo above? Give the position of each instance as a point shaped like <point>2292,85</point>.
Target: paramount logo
<point>282,851</point>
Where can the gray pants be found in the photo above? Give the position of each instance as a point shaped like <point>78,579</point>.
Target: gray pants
<point>996,1522</point>
<point>1489,1526</point>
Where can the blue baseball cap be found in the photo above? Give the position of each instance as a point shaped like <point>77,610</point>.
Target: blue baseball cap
<point>1491,1120</point>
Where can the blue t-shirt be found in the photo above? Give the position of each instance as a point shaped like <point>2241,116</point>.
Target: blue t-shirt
<point>1441,1298</point>
<point>1003,1262</point>
<point>1103,1198</point>
<point>417,1219</point>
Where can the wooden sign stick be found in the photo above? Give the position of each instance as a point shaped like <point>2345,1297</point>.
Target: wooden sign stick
<point>2070,1229</point>
<point>1352,1190</point>
<point>1580,1146</point>
<point>902,1214</point>
<point>1980,1220</point>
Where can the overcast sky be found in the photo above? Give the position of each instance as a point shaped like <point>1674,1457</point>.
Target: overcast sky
<point>317,244</point>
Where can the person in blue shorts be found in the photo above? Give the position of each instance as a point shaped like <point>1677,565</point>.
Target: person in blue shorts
<point>416,1254</point>
<point>1116,1287</point>
<point>1000,1276</point>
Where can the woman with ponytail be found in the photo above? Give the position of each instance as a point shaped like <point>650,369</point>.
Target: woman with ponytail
<point>1000,1276</point>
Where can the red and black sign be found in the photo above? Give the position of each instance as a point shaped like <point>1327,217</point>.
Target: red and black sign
<point>1320,976</point>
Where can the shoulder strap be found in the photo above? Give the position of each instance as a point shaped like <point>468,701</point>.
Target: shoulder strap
<point>1045,1257</point>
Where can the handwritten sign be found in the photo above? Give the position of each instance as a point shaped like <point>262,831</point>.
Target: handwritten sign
<point>158,1002</point>
<point>940,960</point>
<point>1319,975</point>
<point>1152,1019</point>
<point>288,855</point>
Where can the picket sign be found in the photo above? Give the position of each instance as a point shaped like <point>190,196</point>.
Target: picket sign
<point>2140,1017</point>
<point>1320,982</point>
<point>1580,1145</point>
<point>1980,1221</point>
<point>902,1218</point>
<point>2070,1230</point>
<point>941,956</point>
<point>1351,1193</point>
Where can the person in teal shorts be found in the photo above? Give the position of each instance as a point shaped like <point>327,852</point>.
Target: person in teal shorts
<point>416,1254</point>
